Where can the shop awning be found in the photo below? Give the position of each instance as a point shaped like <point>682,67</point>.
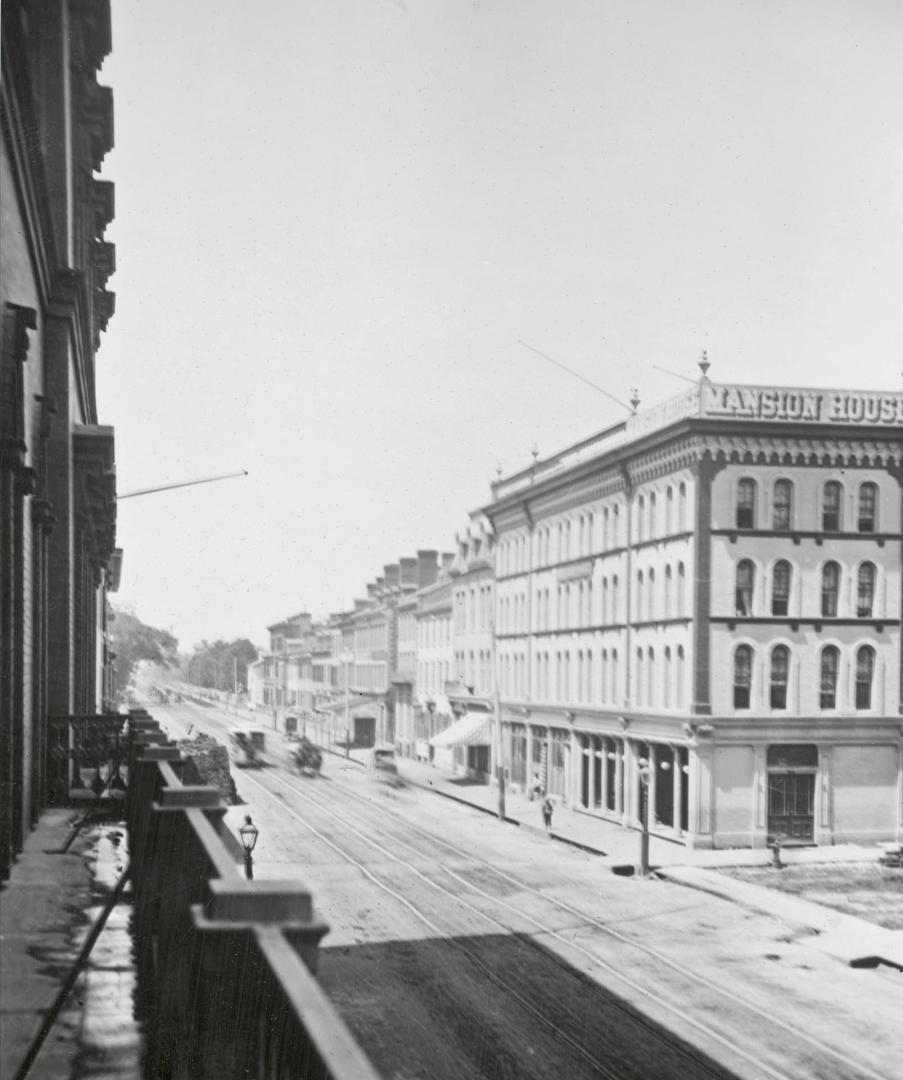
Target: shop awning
<point>473,729</point>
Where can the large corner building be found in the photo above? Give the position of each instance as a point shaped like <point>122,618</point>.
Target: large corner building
<point>699,610</point>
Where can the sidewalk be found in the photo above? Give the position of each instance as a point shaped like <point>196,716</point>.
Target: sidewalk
<point>47,908</point>
<point>855,941</point>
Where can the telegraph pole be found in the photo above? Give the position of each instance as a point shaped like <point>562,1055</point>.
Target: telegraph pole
<point>497,726</point>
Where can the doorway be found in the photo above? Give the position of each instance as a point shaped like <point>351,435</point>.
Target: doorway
<point>792,771</point>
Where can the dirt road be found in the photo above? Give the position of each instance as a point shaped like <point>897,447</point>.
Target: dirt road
<point>464,948</point>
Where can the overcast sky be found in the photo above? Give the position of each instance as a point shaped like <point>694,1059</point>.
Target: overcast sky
<point>336,218</point>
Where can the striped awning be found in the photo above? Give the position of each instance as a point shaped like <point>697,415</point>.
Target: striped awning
<point>473,729</point>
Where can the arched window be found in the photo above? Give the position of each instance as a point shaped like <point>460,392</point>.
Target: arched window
<point>830,665</point>
<point>830,507</point>
<point>669,511</point>
<point>614,598</point>
<point>666,681</point>
<point>603,671</point>
<point>653,520</point>
<point>669,584</point>
<point>590,530</point>
<point>782,505</point>
<point>614,675</point>
<point>780,674</point>
<point>681,590</point>
<point>865,590</point>
<point>746,503</point>
<point>650,677</point>
<point>639,595</point>
<point>830,588</point>
<point>606,524</point>
<point>640,516</point>
<point>867,518</point>
<point>588,672</point>
<point>589,602</point>
<point>640,681</point>
<point>651,596</point>
<point>682,508</point>
<point>865,673</point>
<point>742,676</point>
<point>680,696</point>
<point>780,588</point>
<point>746,578</point>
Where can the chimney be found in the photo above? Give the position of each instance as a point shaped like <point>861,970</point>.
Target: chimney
<point>372,588</point>
<point>408,571</point>
<point>427,567</point>
<point>448,557</point>
<point>392,575</point>
<point>359,605</point>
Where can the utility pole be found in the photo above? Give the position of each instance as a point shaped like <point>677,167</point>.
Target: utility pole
<point>497,725</point>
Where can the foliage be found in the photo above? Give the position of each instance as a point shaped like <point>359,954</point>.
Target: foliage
<point>133,643</point>
<point>219,665</point>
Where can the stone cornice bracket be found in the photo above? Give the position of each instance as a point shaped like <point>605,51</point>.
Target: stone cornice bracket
<point>624,722</point>
<point>103,262</point>
<point>97,114</point>
<point>528,514</point>
<point>23,319</point>
<point>42,516</point>
<point>103,199</point>
<point>626,478</point>
<point>96,38</point>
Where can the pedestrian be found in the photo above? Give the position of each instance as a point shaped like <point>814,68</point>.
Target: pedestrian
<point>547,812</point>
<point>535,787</point>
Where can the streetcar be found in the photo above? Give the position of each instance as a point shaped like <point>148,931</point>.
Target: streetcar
<point>248,746</point>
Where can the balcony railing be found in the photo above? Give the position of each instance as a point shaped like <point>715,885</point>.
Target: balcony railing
<point>225,965</point>
<point>87,759</point>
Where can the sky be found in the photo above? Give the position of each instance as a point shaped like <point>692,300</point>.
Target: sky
<point>337,222</point>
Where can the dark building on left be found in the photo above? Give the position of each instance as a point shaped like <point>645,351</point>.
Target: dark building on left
<point>58,557</point>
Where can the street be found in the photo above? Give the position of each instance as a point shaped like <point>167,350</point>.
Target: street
<point>460,947</point>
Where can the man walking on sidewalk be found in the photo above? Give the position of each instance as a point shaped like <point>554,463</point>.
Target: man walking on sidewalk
<point>547,812</point>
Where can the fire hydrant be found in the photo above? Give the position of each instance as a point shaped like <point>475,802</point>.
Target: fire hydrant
<point>776,855</point>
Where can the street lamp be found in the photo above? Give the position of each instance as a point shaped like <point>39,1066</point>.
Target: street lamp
<point>645,771</point>
<point>248,833</point>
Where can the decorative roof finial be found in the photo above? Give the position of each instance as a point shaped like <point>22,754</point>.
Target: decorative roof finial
<point>634,399</point>
<point>498,470</point>
<point>704,364</point>
<point>535,453</point>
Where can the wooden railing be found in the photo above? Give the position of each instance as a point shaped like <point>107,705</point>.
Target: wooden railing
<point>225,965</point>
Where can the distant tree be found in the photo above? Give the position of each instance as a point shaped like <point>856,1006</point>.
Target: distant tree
<point>219,665</point>
<point>133,643</point>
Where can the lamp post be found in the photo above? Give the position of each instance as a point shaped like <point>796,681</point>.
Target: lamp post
<point>248,833</point>
<point>347,659</point>
<point>645,771</point>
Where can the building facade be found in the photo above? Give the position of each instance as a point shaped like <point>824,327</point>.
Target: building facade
<point>698,616</point>
<point>57,465</point>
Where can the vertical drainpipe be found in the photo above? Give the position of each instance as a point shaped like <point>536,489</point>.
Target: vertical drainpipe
<point>628,779</point>
<point>628,589</point>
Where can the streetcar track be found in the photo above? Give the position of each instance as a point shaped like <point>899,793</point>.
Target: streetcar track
<point>692,1054</point>
<point>606,928</point>
<point>769,1018</point>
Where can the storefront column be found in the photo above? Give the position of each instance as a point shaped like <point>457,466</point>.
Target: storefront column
<point>528,753</point>
<point>677,782</point>
<point>651,784</point>
<point>575,783</point>
<point>824,817</point>
<point>760,796</point>
<point>630,806</point>
<point>701,783</point>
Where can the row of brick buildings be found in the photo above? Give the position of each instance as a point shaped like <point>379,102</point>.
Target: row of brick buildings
<point>695,613</point>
